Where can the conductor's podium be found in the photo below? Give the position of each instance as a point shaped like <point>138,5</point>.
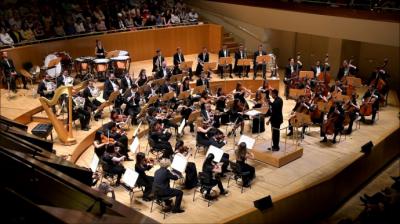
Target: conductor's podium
<point>276,158</point>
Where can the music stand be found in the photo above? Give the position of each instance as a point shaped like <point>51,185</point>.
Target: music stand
<point>263,60</point>
<point>209,66</point>
<point>168,96</point>
<point>179,163</point>
<point>143,89</point>
<point>94,163</point>
<point>152,100</point>
<point>185,65</point>
<point>295,93</point>
<point>353,81</point>
<point>198,89</point>
<point>225,62</point>
<point>176,78</point>
<point>306,74</point>
<point>246,139</point>
<point>159,82</point>
<point>243,63</point>
<point>184,95</point>
<point>135,145</point>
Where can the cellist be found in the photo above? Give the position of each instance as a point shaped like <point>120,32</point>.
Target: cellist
<point>333,123</point>
<point>300,107</point>
<point>370,99</point>
<point>352,109</point>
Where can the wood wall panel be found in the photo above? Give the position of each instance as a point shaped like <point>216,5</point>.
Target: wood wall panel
<point>140,44</point>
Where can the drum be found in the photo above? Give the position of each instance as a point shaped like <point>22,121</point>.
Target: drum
<point>52,70</point>
<point>66,60</point>
<point>83,63</point>
<point>101,64</point>
<point>123,53</point>
<point>120,62</point>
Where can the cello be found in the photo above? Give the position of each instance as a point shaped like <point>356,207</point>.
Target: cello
<point>366,107</point>
<point>325,77</point>
<point>328,126</point>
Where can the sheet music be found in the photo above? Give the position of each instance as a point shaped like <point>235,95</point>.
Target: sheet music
<point>94,163</point>
<point>217,153</point>
<point>252,113</point>
<point>130,177</point>
<point>181,126</point>
<point>246,139</point>
<point>179,163</point>
<point>135,144</point>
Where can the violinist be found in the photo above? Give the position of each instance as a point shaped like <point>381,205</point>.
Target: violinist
<point>132,101</point>
<point>90,93</point>
<point>206,138</point>
<point>352,109</point>
<point>111,130</point>
<point>185,86</point>
<point>191,179</point>
<point>142,165</point>
<point>334,122</point>
<point>301,106</point>
<point>153,116</point>
<point>100,144</point>
<point>220,105</point>
<point>370,104</point>
<point>113,163</point>
<point>142,79</point>
<point>265,88</point>
<point>204,99</point>
<point>237,112</point>
<point>240,93</point>
<point>210,169</point>
<point>160,138</point>
<point>209,116</point>
<point>241,156</point>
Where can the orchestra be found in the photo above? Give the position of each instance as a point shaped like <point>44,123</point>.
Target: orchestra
<point>332,106</point>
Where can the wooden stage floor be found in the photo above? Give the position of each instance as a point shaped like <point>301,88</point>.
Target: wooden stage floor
<point>318,163</point>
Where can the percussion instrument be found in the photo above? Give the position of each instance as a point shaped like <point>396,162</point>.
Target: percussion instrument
<point>101,64</point>
<point>51,70</point>
<point>83,64</point>
<point>66,59</point>
<point>123,53</point>
<point>120,62</point>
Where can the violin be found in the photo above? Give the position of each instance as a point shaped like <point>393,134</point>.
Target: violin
<point>149,161</point>
<point>107,140</point>
<point>329,125</point>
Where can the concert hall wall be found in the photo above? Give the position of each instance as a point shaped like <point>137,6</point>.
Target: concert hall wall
<point>140,44</point>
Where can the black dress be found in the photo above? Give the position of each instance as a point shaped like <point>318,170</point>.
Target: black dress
<point>243,167</point>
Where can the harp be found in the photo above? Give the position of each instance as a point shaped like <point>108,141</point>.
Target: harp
<point>64,135</point>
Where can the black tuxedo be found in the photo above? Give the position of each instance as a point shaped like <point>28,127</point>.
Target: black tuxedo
<point>275,112</point>
<point>177,62</point>
<point>341,72</point>
<point>132,105</point>
<point>221,67</point>
<point>157,63</point>
<point>124,83</point>
<point>41,88</point>
<point>94,104</point>
<point>161,74</point>
<point>204,58</point>
<point>257,66</point>
<point>8,68</point>
<point>162,177</point>
<point>108,88</point>
<point>200,82</point>
<point>239,69</point>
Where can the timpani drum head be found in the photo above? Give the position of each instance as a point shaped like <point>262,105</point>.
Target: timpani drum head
<point>123,53</point>
<point>120,58</point>
<point>101,60</point>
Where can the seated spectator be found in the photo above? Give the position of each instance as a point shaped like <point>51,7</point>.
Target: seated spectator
<point>90,27</point>
<point>121,23</point>
<point>129,20</point>
<point>193,16</point>
<point>174,19</point>
<point>138,21</point>
<point>59,29</point>
<point>5,38</point>
<point>98,14</point>
<point>79,26</point>
<point>100,25</point>
<point>38,31</point>
<point>15,34</point>
<point>27,33</point>
<point>160,20</point>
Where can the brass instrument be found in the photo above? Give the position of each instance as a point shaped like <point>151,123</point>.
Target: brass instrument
<point>64,135</point>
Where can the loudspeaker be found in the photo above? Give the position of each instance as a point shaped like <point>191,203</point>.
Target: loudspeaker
<point>263,203</point>
<point>366,148</point>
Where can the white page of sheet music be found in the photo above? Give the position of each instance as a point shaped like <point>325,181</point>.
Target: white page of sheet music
<point>246,139</point>
<point>179,163</point>
<point>217,153</point>
<point>135,144</point>
<point>130,177</point>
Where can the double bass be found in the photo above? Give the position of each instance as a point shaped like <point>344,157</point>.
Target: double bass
<point>324,76</point>
<point>328,126</point>
<point>366,107</point>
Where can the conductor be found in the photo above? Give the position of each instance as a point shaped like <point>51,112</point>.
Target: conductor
<point>276,119</point>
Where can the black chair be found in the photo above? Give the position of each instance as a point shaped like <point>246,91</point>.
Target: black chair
<point>156,152</point>
<point>131,190</point>
<point>237,174</point>
<point>205,185</point>
<point>105,173</point>
<point>159,200</point>
<point>198,148</point>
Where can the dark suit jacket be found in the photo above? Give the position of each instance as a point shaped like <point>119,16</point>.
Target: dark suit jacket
<point>124,83</point>
<point>237,56</point>
<point>108,89</point>
<point>221,53</point>
<point>60,81</point>
<point>162,178</point>
<point>257,54</point>
<point>41,88</point>
<point>206,57</point>
<point>155,62</point>
<point>7,69</point>
<point>200,83</point>
<point>276,111</point>
<point>176,59</point>
<point>160,74</point>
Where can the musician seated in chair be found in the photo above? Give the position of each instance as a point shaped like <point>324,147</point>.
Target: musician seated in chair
<point>223,53</point>
<point>161,187</point>
<point>210,168</point>
<point>65,79</point>
<point>259,52</point>
<point>80,110</point>
<point>209,116</point>
<point>126,82</point>
<point>371,97</point>
<point>90,93</point>
<point>178,59</point>
<point>237,111</point>
<point>352,109</point>
<point>203,81</point>
<point>301,106</point>
<point>112,130</point>
<point>46,87</point>
<point>241,156</point>
<point>113,163</point>
<point>164,72</point>
<point>334,122</point>
<point>132,101</point>
<point>142,79</point>
<point>241,54</point>
<point>158,59</point>
<point>190,171</point>
<point>110,85</point>
<point>142,165</point>
<point>8,68</point>
<point>160,138</point>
